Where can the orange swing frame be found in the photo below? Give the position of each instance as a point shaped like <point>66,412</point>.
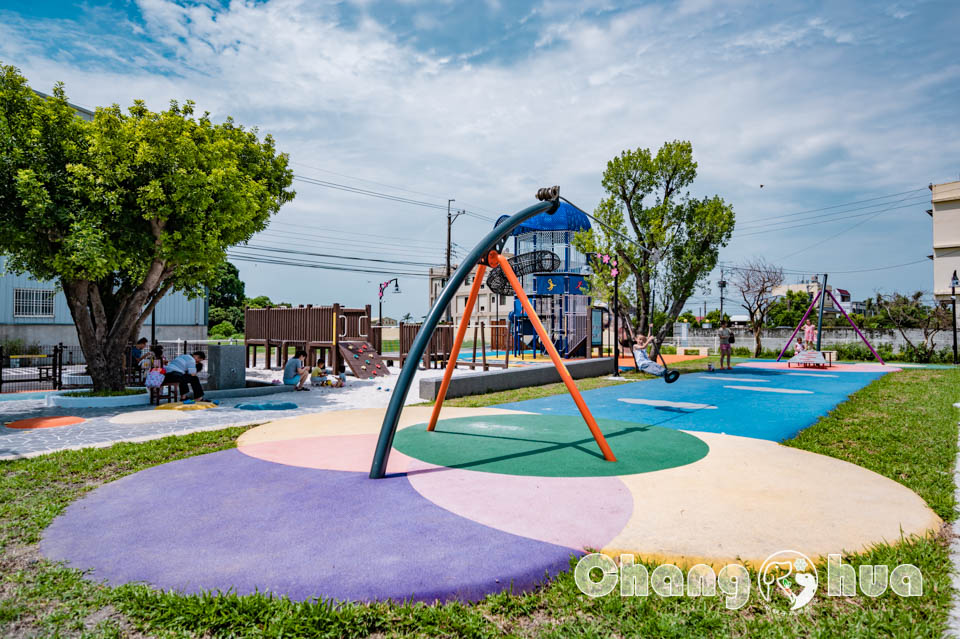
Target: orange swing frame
<point>494,259</point>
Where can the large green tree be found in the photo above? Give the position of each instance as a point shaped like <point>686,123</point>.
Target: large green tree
<point>666,241</point>
<point>126,208</point>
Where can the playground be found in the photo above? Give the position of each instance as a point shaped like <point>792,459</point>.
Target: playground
<point>495,498</point>
<point>441,504</point>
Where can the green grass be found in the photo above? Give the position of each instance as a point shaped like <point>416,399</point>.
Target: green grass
<point>106,393</point>
<point>902,426</point>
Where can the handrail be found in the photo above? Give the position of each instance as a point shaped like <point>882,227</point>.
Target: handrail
<point>490,241</point>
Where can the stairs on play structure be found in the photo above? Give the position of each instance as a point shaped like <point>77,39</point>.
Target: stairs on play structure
<point>363,359</point>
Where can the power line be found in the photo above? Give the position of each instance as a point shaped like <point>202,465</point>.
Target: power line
<point>836,206</point>
<point>380,195</point>
<point>352,234</point>
<point>833,215</point>
<point>320,265</point>
<point>389,186</point>
<point>286,251</point>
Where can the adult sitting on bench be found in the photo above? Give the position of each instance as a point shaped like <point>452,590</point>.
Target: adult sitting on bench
<point>184,369</point>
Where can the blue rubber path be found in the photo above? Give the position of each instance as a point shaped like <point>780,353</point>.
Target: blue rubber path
<point>761,414</point>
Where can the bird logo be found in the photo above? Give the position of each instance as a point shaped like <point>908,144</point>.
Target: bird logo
<point>551,285</point>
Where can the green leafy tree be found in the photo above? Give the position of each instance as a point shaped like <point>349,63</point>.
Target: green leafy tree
<point>261,301</point>
<point>126,208</point>
<point>788,309</point>
<point>713,318</point>
<point>229,290</point>
<point>647,206</point>
<point>227,297</point>
<point>909,311</point>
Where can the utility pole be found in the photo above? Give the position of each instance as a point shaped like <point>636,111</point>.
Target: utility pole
<point>723,284</point>
<point>449,224</point>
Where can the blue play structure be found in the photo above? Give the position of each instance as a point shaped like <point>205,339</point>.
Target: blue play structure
<point>560,297</point>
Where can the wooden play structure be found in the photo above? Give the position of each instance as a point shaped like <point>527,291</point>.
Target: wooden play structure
<point>485,364</point>
<point>438,350</point>
<point>334,333</point>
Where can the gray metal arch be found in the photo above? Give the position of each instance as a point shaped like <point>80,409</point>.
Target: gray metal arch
<point>480,251</point>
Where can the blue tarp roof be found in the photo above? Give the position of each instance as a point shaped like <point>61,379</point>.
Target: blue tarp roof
<point>566,218</point>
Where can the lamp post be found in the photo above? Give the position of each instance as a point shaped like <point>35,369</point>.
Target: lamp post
<point>383,287</point>
<point>954,283</point>
<point>616,320</point>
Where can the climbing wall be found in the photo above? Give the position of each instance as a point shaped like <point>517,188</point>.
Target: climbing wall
<point>363,359</point>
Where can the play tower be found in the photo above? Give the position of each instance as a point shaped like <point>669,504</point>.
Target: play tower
<point>557,290</point>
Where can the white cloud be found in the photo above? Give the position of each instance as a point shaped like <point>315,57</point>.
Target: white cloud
<point>758,106</point>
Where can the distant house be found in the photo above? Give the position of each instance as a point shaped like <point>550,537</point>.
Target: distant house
<point>813,286</point>
<point>36,312</point>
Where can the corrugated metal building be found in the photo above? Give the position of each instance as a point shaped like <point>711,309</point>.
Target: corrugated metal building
<point>37,313</point>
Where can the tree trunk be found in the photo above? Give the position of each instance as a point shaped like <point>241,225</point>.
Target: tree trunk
<point>758,344</point>
<point>103,339</point>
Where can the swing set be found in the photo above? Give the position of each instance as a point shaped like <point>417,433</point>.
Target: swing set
<point>821,297</point>
<point>486,254</point>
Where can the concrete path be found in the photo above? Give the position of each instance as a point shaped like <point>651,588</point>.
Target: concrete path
<point>104,427</point>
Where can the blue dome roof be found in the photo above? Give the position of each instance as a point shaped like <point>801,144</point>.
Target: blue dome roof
<point>565,218</point>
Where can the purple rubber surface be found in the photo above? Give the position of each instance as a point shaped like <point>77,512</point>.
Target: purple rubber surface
<point>229,521</point>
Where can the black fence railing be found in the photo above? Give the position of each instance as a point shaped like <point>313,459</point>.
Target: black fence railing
<point>36,370</point>
<point>55,366</point>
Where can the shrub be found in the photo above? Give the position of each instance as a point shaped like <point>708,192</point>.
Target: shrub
<point>666,349</point>
<point>223,330</point>
<point>743,351</point>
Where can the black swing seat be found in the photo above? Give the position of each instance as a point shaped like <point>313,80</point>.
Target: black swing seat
<point>671,376</point>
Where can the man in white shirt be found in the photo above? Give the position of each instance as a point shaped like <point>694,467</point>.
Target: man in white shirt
<point>184,369</point>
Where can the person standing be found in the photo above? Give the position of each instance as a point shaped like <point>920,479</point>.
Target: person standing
<point>809,335</point>
<point>183,369</point>
<point>726,348</point>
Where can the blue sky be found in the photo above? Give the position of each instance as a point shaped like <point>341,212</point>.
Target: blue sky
<point>823,103</point>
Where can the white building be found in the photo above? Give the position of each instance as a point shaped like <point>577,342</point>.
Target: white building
<point>945,210</point>
<point>489,307</point>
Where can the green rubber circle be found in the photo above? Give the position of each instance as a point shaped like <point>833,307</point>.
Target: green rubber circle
<point>548,446</point>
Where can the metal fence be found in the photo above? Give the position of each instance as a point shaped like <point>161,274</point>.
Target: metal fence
<point>55,366</point>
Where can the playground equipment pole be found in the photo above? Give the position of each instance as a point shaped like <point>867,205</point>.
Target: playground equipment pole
<point>616,324</point>
<point>555,356</point>
<point>389,428</point>
<point>869,345</point>
<point>802,320</point>
<point>455,351</point>
<point>823,298</point>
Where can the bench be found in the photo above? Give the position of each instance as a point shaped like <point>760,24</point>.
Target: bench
<point>702,351</point>
<point>172,394</point>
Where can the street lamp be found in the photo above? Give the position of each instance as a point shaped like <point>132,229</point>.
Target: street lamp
<point>383,287</point>
<point>954,283</point>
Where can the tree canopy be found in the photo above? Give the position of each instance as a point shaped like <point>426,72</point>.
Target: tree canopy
<point>128,207</point>
<point>667,242</point>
